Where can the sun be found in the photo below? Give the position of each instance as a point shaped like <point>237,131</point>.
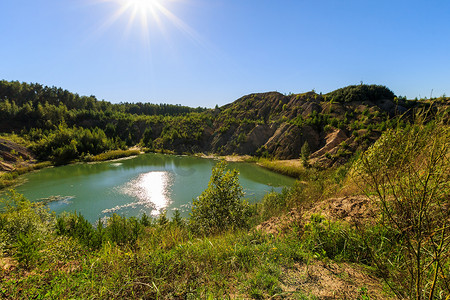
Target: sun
<point>142,11</point>
<point>150,18</point>
<point>145,14</point>
<point>140,4</point>
<point>142,8</point>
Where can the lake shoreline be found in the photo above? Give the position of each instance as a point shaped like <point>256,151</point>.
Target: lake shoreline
<point>277,166</point>
<point>146,183</point>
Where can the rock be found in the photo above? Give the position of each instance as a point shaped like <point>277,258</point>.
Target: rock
<point>332,140</point>
<point>309,108</point>
<point>288,139</point>
<point>257,137</point>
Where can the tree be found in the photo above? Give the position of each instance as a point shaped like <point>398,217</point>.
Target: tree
<point>220,207</point>
<point>305,152</point>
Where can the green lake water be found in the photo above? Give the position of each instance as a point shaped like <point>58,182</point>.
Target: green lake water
<point>146,183</point>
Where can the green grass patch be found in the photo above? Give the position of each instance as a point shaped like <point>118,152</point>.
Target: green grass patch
<point>114,154</point>
<point>15,139</point>
<point>8,179</point>
<point>292,170</point>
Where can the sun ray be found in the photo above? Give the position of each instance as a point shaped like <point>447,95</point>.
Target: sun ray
<point>180,24</point>
<point>153,22</point>
<point>148,14</point>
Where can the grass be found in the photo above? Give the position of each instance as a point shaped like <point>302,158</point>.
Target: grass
<point>8,179</point>
<point>158,266</point>
<point>166,260</point>
<point>292,168</point>
<point>15,138</point>
<point>114,154</point>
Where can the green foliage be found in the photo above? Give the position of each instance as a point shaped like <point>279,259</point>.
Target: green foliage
<point>176,219</point>
<point>27,249</point>
<point>22,222</point>
<point>118,229</point>
<point>326,239</point>
<point>145,221</point>
<point>406,173</point>
<point>220,207</point>
<point>123,230</point>
<point>361,93</point>
<point>76,226</point>
<point>262,152</point>
<point>162,219</point>
<point>166,260</point>
<point>114,154</point>
<point>273,204</point>
<point>90,127</point>
<point>242,138</point>
<point>265,282</point>
<point>305,152</point>
<point>65,144</point>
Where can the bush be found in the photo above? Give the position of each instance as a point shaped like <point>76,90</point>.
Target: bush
<point>305,152</point>
<point>406,173</point>
<point>27,249</point>
<point>273,204</point>
<point>22,221</point>
<point>121,230</point>
<point>118,229</point>
<point>77,226</point>
<point>220,207</point>
<point>24,226</point>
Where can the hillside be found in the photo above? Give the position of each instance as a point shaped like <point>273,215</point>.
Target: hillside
<point>13,155</point>
<point>61,126</point>
<point>276,125</point>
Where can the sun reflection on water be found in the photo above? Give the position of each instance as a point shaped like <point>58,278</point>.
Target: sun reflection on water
<point>151,190</point>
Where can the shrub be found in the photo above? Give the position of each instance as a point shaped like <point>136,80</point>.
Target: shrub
<point>220,207</point>
<point>21,219</point>
<point>121,230</point>
<point>305,152</point>
<point>406,173</point>
<point>75,225</point>
<point>27,249</point>
<point>24,225</point>
<point>273,204</point>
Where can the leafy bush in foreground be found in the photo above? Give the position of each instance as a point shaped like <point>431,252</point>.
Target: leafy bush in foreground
<point>220,207</point>
<point>407,174</point>
<point>23,227</point>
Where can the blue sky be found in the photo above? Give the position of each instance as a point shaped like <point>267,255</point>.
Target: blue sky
<point>208,52</point>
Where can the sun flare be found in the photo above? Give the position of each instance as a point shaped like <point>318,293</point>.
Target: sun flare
<point>140,4</point>
<point>154,20</point>
<point>142,8</point>
<point>143,11</point>
<point>147,15</point>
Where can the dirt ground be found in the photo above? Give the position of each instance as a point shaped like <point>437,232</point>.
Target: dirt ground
<point>330,280</point>
<point>327,279</point>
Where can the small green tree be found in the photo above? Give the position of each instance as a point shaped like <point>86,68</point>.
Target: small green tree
<point>305,152</point>
<point>220,207</point>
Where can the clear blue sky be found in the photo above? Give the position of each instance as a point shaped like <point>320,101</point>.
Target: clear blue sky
<point>208,52</point>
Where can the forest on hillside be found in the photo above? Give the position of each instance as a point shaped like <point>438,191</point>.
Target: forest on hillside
<point>61,126</point>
